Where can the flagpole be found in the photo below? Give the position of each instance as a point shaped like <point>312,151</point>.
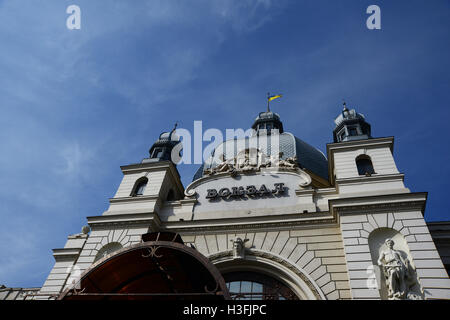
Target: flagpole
<point>268,99</point>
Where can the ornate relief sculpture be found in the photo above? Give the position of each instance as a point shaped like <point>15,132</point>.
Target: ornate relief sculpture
<point>251,161</point>
<point>290,162</point>
<point>239,248</point>
<point>226,165</point>
<point>399,273</point>
<point>276,161</point>
<point>273,161</point>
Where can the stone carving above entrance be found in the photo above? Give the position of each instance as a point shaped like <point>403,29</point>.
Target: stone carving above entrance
<point>239,248</point>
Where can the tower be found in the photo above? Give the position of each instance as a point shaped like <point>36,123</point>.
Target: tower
<point>373,207</point>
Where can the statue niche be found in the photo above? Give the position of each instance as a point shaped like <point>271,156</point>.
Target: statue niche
<point>398,279</point>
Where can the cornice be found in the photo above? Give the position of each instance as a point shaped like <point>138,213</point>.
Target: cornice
<point>149,166</point>
<point>357,144</point>
<point>66,253</point>
<point>381,203</point>
<point>132,219</point>
<point>285,222</point>
<point>134,199</point>
<point>370,179</point>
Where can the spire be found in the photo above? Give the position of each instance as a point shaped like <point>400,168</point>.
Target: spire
<point>350,125</point>
<point>345,106</point>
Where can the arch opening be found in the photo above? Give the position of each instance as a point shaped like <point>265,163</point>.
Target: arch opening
<point>153,270</point>
<point>364,165</point>
<point>139,187</point>
<point>291,282</point>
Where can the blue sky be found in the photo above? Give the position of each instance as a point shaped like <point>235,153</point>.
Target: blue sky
<point>77,104</point>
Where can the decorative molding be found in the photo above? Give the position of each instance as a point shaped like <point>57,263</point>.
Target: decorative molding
<point>135,199</point>
<point>381,203</point>
<point>208,227</point>
<point>124,220</point>
<point>371,179</point>
<point>66,253</point>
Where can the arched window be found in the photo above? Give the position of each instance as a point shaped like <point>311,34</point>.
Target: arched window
<point>139,187</point>
<point>364,165</point>
<point>107,250</point>
<point>256,286</point>
<point>157,153</point>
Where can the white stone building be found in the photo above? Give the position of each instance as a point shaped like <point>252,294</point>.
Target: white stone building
<point>301,226</point>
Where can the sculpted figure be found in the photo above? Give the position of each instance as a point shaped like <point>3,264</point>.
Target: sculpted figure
<point>226,165</point>
<point>397,271</point>
<point>247,164</point>
<point>274,161</point>
<point>290,162</point>
<point>239,248</point>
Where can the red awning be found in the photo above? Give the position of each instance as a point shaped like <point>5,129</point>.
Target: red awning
<point>161,268</point>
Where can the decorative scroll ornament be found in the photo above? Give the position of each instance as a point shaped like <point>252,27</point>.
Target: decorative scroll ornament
<point>191,193</point>
<point>399,274</point>
<point>152,252</point>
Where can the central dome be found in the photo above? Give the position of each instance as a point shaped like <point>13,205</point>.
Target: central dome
<point>268,130</point>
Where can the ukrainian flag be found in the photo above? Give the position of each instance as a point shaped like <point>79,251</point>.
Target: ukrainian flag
<point>275,97</point>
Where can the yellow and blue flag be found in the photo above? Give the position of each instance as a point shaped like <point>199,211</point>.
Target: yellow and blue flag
<point>274,97</point>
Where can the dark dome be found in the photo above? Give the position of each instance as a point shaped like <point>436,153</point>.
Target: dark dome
<point>265,118</point>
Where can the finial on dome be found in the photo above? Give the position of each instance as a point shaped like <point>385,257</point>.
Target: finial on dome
<point>345,105</point>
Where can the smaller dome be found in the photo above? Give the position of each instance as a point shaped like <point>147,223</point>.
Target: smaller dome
<point>161,150</point>
<point>350,125</point>
<point>268,120</point>
<point>268,115</point>
<point>348,115</point>
<point>169,136</point>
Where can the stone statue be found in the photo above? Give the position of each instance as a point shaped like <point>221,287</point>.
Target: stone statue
<point>226,165</point>
<point>273,161</point>
<point>239,248</point>
<point>398,272</point>
<point>276,161</point>
<point>290,162</point>
<point>247,163</point>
